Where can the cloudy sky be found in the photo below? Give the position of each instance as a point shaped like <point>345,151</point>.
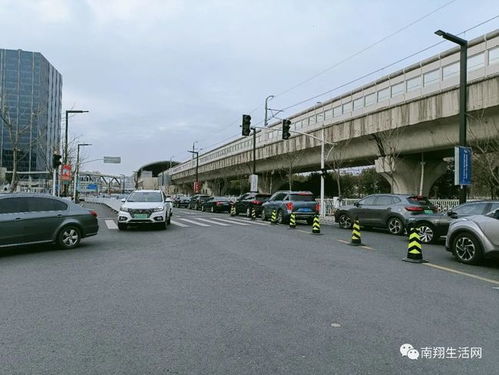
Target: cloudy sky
<point>157,75</point>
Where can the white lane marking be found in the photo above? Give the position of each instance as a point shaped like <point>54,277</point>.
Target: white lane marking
<point>213,222</point>
<point>111,224</point>
<point>195,222</point>
<point>179,224</point>
<point>230,221</point>
<point>249,221</point>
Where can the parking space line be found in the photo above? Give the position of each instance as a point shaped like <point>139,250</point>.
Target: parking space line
<point>367,247</point>
<point>194,222</point>
<point>213,222</point>
<point>179,224</point>
<point>110,224</point>
<point>496,282</point>
<point>230,221</point>
<point>343,241</point>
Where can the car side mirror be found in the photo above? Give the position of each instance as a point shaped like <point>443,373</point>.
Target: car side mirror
<point>356,204</point>
<point>452,214</point>
<point>123,200</point>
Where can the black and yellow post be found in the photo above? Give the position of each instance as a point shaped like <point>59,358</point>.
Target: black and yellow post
<point>414,249</point>
<point>316,226</point>
<point>253,214</point>
<point>233,210</point>
<point>292,221</point>
<point>273,218</point>
<point>356,238</point>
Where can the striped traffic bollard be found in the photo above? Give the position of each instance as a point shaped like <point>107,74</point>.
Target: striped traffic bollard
<point>253,214</point>
<point>414,249</point>
<point>233,210</point>
<point>356,239</point>
<point>316,226</point>
<point>273,218</point>
<point>292,221</point>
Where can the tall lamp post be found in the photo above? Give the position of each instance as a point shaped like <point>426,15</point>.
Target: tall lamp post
<point>77,169</point>
<point>462,94</point>
<point>65,156</point>
<point>197,167</point>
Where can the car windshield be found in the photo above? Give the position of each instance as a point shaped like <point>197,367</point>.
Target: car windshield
<point>145,196</point>
<point>301,198</point>
<point>220,199</point>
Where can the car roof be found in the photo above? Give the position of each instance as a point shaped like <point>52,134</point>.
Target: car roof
<point>32,195</point>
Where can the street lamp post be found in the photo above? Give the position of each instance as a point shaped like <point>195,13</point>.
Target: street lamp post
<point>323,138</point>
<point>462,94</point>
<point>75,192</point>
<point>65,156</point>
<point>265,121</point>
<point>197,164</point>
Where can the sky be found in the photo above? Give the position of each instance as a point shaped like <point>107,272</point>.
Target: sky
<point>158,75</point>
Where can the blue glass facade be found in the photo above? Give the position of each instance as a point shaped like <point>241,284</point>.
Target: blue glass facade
<point>30,108</point>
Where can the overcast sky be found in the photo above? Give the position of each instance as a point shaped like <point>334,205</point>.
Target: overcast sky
<point>157,75</point>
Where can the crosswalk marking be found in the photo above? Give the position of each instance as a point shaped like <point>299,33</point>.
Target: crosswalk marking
<point>250,222</point>
<point>230,221</point>
<point>194,222</point>
<point>111,224</point>
<point>179,224</point>
<point>213,222</point>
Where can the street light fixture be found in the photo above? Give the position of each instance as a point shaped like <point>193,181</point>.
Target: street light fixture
<point>462,94</point>
<point>265,121</point>
<point>66,132</point>
<point>75,192</point>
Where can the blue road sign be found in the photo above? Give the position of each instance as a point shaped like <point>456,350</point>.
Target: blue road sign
<point>462,165</point>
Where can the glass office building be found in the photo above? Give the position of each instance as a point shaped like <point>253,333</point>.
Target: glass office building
<point>30,109</point>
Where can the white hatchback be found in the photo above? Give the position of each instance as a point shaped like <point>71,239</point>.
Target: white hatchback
<point>145,207</point>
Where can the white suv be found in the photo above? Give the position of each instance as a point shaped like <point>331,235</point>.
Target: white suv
<point>145,207</point>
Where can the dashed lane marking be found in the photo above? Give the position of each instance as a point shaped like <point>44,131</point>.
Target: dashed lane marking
<point>213,222</point>
<point>230,221</point>
<point>496,282</point>
<point>194,222</point>
<point>343,241</point>
<point>110,224</point>
<point>179,224</point>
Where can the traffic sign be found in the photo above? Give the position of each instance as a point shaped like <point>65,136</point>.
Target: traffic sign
<point>462,165</point>
<point>66,172</point>
<point>112,159</point>
<point>197,187</point>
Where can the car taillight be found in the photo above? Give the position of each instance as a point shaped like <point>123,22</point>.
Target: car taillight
<point>93,213</point>
<point>414,208</point>
<point>317,207</point>
<point>219,203</point>
<point>289,206</point>
<point>256,202</point>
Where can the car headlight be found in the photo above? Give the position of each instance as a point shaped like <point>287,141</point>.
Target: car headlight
<point>157,209</point>
<point>124,209</point>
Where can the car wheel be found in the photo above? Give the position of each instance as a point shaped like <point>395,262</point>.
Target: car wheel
<point>248,212</point>
<point>280,217</point>
<point>212,209</point>
<point>69,237</point>
<point>426,232</point>
<point>467,248</point>
<point>395,226</point>
<point>122,226</point>
<point>344,221</point>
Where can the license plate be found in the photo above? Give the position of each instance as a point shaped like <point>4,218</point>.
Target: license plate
<point>140,216</point>
<point>428,211</point>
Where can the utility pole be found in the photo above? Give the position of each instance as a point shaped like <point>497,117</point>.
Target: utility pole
<point>65,156</point>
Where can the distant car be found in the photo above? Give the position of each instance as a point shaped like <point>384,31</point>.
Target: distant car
<point>432,227</point>
<point>39,218</point>
<point>181,201</point>
<point>473,238</point>
<point>216,204</point>
<point>145,207</point>
<point>301,203</point>
<point>246,202</point>
<point>390,211</point>
<point>197,200</point>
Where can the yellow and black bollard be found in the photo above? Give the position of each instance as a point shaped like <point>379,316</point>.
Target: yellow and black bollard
<point>316,226</point>
<point>292,221</point>
<point>233,210</point>
<point>414,249</point>
<point>273,218</point>
<point>253,214</point>
<point>356,240</point>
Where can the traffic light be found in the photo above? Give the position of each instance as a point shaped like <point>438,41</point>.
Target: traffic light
<point>286,124</point>
<point>56,161</point>
<point>246,125</point>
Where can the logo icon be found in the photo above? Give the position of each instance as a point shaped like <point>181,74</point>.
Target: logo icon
<point>407,350</point>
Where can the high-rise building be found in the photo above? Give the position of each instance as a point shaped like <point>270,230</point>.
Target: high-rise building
<point>30,112</point>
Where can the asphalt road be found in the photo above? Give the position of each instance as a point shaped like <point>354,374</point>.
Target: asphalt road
<point>235,297</point>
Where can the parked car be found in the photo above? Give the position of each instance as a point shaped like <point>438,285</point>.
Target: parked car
<point>248,201</point>
<point>301,203</point>
<point>181,201</point>
<point>473,238</point>
<point>197,201</point>
<point>39,218</point>
<point>145,207</point>
<point>389,211</point>
<point>432,227</point>
<point>216,204</point>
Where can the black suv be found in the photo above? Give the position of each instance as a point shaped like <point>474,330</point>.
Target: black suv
<point>197,201</point>
<point>247,201</point>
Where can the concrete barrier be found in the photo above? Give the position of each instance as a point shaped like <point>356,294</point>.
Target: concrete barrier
<point>112,203</point>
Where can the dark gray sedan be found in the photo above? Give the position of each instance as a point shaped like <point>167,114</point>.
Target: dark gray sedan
<point>40,218</point>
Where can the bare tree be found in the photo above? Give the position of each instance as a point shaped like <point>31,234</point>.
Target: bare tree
<point>388,143</point>
<point>335,159</point>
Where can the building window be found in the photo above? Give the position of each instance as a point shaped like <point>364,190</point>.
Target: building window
<point>476,62</point>
<point>358,104</point>
<point>328,114</point>
<point>398,89</point>
<point>347,107</point>
<point>450,70</point>
<point>413,83</point>
<point>494,55</point>
<point>383,94</point>
<point>370,99</point>
<point>430,77</point>
<point>337,111</point>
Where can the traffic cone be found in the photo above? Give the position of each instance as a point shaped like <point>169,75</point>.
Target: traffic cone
<point>273,218</point>
<point>414,250</point>
<point>292,221</point>
<point>253,214</point>
<point>316,226</point>
<point>233,210</point>
<point>356,240</point>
